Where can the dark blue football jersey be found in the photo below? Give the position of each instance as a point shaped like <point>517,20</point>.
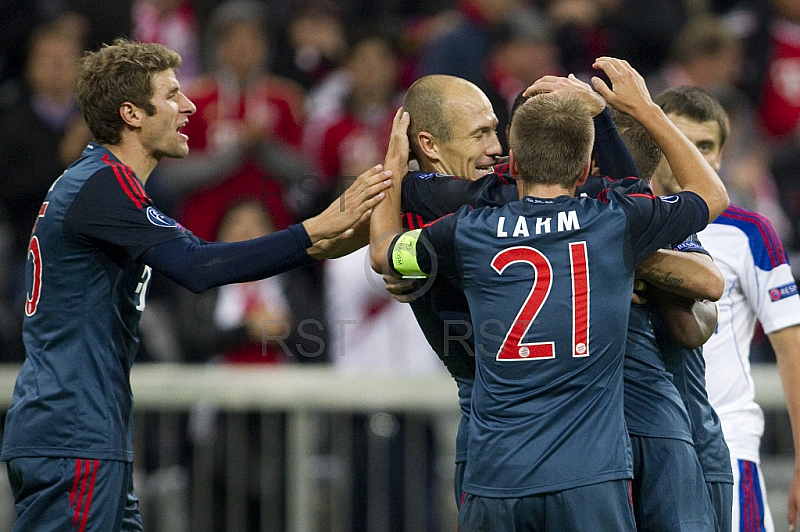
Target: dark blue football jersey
<point>688,369</point>
<point>653,406</point>
<point>549,284</point>
<point>86,293</point>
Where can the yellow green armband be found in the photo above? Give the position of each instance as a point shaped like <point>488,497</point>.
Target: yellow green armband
<point>404,256</point>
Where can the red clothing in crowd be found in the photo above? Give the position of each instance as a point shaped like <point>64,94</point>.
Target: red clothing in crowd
<point>780,100</point>
<point>222,118</point>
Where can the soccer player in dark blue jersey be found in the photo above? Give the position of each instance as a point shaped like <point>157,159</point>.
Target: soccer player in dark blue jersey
<point>548,446</point>
<point>96,240</point>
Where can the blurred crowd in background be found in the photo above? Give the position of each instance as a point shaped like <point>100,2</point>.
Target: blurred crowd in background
<point>295,98</point>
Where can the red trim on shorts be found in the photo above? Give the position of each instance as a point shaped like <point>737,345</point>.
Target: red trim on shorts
<point>84,471</point>
<point>96,464</point>
<point>75,482</point>
<point>79,501</point>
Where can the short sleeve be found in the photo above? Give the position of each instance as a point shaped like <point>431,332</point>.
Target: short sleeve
<point>657,221</point>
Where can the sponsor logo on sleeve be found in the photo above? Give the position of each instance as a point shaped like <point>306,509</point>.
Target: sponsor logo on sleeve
<point>688,245</point>
<point>670,199</point>
<point>782,292</point>
<point>428,176</point>
<point>156,218</point>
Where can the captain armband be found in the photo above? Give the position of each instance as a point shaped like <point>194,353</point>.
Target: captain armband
<point>404,255</point>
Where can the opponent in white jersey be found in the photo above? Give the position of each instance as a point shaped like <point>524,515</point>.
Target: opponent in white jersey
<point>758,286</point>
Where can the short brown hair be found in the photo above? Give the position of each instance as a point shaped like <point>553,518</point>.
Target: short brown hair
<point>551,137</point>
<point>643,149</point>
<point>115,74</point>
<point>426,105</point>
<point>695,104</point>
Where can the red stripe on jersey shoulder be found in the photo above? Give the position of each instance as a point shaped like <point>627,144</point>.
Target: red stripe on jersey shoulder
<point>130,185</point>
<point>439,218</point>
<point>603,195</point>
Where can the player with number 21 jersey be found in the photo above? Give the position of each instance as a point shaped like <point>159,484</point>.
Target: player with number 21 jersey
<point>547,402</point>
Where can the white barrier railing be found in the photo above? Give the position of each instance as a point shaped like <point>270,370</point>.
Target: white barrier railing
<point>302,393</point>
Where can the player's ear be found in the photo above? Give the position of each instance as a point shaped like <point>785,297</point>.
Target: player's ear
<point>584,174</point>
<point>428,145</point>
<point>131,114</point>
<point>513,169</point>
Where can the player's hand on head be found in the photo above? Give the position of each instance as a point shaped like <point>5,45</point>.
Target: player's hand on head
<point>398,151</point>
<point>628,92</point>
<point>568,85</point>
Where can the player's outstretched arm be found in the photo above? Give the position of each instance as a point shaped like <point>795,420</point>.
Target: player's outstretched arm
<point>330,230</point>
<point>786,344</point>
<point>629,94</point>
<point>385,223</point>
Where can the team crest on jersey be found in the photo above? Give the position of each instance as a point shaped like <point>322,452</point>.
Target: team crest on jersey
<point>156,218</point>
<point>782,292</point>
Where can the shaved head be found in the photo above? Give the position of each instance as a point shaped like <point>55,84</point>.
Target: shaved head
<point>432,103</point>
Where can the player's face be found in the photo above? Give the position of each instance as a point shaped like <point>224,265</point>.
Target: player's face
<point>161,134</point>
<point>474,145</point>
<point>706,138</point>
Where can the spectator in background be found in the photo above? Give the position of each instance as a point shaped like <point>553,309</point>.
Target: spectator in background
<point>785,167</point>
<point>42,133</point>
<point>523,51</point>
<point>464,50</point>
<point>244,141</point>
<point>638,31</point>
<point>780,97</point>
<point>357,135</point>
<point>705,53</point>
<point>315,43</point>
<point>245,136</point>
<point>233,323</point>
<point>171,23</point>
<point>581,32</point>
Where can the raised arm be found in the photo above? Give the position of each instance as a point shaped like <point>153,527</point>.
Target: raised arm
<point>629,95</point>
<point>385,223</point>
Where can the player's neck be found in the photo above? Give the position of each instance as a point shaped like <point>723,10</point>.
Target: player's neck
<point>543,191</point>
<point>134,155</point>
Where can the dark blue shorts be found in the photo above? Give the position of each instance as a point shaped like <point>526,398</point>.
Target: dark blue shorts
<point>74,494</point>
<point>601,506</point>
<point>669,490</point>
<point>458,482</point>
<point>722,501</point>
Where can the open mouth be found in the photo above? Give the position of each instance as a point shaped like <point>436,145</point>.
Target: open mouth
<point>483,170</point>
